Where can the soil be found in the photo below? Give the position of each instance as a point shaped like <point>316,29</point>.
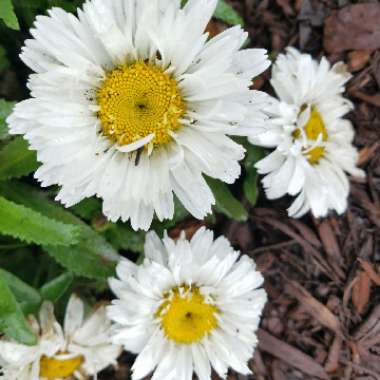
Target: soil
<point>322,320</point>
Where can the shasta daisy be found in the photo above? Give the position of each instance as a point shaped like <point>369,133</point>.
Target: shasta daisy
<point>131,102</point>
<point>81,349</point>
<point>190,306</point>
<point>312,141</point>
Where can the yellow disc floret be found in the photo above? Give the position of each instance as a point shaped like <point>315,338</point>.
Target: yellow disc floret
<point>313,129</point>
<point>185,315</point>
<point>138,100</point>
<point>51,368</point>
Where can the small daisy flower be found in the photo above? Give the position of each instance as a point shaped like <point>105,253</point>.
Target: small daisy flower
<point>79,350</point>
<point>313,142</point>
<point>132,102</point>
<point>190,306</point>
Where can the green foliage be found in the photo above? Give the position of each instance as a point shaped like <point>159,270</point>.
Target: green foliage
<point>28,298</point>
<point>124,238</point>
<point>226,203</point>
<point>30,226</point>
<point>88,208</point>
<point>92,256</point>
<point>250,184</point>
<point>56,288</point>
<point>226,13</point>
<point>16,160</point>
<point>5,110</point>
<point>45,249</point>
<point>12,320</point>
<point>8,15</point>
<point>4,64</point>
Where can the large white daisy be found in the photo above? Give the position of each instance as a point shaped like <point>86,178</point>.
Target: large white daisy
<point>313,142</point>
<point>190,306</point>
<point>131,102</point>
<point>81,349</point>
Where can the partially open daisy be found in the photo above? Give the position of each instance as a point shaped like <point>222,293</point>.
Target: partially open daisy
<point>79,350</point>
<point>131,102</point>
<point>313,142</point>
<point>190,306</point>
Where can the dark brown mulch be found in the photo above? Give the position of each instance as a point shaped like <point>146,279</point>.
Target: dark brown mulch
<point>322,276</point>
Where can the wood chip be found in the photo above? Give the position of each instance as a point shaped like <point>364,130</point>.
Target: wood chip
<point>290,355</point>
<point>332,361</point>
<point>316,309</point>
<point>369,269</point>
<point>331,246</point>
<point>361,291</point>
<point>358,59</point>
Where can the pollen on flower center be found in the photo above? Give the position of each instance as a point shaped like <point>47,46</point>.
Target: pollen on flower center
<point>51,368</point>
<point>185,315</point>
<point>137,100</point>
<point>313,129</point>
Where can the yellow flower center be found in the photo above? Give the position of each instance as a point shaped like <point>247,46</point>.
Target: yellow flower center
<point>313,129</point>
<point>185,316</point>
<point>137,100</point>
<point>51,368</point>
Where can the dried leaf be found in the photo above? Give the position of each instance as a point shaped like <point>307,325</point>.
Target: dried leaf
<point>355,27</point>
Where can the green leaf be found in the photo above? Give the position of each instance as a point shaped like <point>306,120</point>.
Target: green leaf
<point>4,64</point>
<point>253,155</point>
<point>5,110</point>
<point>7,14</point>
<point>12,320</point>
<point>250,186</point>
<point>28,297</point>
<point>30,226</point>
<point>226,203</point>
<point>88,208</point>
<point>91,257</point>
<point>55,289</point>
<point>16,160</point>
<point>226,13</point>
<point>123,237</point>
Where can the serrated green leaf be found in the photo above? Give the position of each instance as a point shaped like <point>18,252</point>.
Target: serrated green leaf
<point>226,203</point>
<point>16,160</point>
<point>7,14</point>
<point>31,226</point>
<point>5,110</point>
<point>91,257</point>
<point>12,320</point>
<point>28,297</point>
<point>227,14</point>
<point>55,289</point>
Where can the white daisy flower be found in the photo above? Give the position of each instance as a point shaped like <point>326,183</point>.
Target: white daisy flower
<point>79,350</point>
<point>313,142</point>
<point>131,102</point>
<point>190,306</point>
